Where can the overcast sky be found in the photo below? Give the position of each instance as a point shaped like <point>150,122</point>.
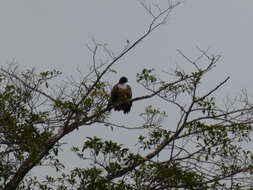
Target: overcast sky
<point>52,34</point>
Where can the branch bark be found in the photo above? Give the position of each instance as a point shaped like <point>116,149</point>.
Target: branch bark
<point>68,127</point>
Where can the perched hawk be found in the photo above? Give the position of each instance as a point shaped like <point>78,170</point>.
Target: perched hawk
<point>120,95</point>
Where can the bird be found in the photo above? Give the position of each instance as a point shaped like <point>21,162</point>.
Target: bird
<point>120,97</point>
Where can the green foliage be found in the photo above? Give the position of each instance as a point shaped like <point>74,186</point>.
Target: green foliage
<point>207,139</point>
<point>146,76</point>
<point>168,175</point>
<point>199,145</point>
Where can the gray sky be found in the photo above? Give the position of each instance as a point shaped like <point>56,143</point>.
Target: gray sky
<point>52,34</point>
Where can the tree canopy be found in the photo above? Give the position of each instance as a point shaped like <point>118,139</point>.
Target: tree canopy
<point>205,148</point>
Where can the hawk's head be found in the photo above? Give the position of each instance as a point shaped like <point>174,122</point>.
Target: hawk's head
<point>123,80</point>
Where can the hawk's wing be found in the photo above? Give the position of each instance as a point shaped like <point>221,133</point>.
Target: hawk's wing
<point>113,98</point>
<point>129,92</point>
<point>126,107</point>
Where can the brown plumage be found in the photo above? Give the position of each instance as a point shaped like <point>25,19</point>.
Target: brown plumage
<point>120,95</point>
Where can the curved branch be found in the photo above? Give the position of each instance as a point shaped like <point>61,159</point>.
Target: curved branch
<point>68,127</point>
